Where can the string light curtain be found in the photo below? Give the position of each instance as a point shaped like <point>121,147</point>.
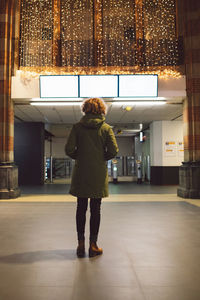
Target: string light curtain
<point>119,30</point>
<point>139,33</point>
<point>98,33</point>
<point>77,44</point>
<point>159,43</point>
<point>36,33</point>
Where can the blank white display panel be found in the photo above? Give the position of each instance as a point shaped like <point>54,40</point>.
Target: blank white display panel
<point>98,86</point>
<point>138,85</point>
<point>59,86</point>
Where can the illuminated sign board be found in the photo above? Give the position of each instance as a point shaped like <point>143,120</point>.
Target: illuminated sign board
<point>105,86</point>
<point>58,86</point>
<point>138,85</point>
<point>98,86</point>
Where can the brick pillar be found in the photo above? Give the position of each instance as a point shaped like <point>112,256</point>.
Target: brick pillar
<point>8,170</point>
<point>189,173</point>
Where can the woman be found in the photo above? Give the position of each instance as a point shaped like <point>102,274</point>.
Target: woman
<point>91,143</point>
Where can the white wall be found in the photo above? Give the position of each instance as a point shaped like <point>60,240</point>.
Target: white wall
<point>126,146</point>
<point>58,145</point>
<point>22,87</point>
<point>172,87</point>
<point>172,131</point>
<point>162,132</point>
<point>27,88</point>
<point>156,143</point>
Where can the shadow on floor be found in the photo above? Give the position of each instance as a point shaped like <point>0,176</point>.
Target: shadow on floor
<point>35,256</point>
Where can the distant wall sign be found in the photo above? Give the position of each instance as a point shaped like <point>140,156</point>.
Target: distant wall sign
<point>180,148</point>
<point>170,148</point>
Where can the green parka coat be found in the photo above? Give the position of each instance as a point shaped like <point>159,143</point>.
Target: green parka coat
<point>91,143</point>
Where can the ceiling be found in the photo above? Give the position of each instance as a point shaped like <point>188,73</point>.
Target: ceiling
<point>117,116</point>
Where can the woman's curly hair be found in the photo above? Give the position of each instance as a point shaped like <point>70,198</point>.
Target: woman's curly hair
<point>94,106</point>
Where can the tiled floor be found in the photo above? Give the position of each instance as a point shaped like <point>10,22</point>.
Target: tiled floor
<point>151,248</point>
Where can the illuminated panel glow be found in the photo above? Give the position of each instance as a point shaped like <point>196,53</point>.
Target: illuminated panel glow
<point>59,86</point>
<point>98,86</point>
<point>138,86</point>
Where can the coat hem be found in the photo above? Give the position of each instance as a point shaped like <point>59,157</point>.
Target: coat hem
<point>87,196</point>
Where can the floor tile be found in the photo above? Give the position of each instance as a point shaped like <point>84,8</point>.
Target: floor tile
<point>106,276</point>
<point>169,293</point>
<point>36,276</point>
<point>151,251</point>
<point>111,293</point>
<point>36,293</point>
<point>167,276</point>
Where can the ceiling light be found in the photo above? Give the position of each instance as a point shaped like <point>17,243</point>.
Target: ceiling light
<point>127,108</point>
<point>145,103</point>
<point>56,103</point>
<point>140,98</point>
<point>57,99</point>
<point>131,130</point>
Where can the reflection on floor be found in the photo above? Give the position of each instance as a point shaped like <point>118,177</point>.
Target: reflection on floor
<point>119,188</point>
<point>151,248</point>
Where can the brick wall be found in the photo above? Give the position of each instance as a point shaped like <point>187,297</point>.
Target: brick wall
<point>7,43</point>
<point>189,24</point>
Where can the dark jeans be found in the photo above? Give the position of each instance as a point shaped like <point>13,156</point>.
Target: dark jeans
<point>95,215</point>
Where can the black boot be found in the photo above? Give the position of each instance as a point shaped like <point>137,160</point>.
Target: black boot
<point>94,250</point>
<point>80,251</point>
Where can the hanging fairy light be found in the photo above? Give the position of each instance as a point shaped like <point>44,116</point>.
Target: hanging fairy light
<point>99,37</point>
<point>36,33</point>
<point>77,33</point>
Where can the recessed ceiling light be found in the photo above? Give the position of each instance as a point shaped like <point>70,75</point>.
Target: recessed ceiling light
<point>127,108</point>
